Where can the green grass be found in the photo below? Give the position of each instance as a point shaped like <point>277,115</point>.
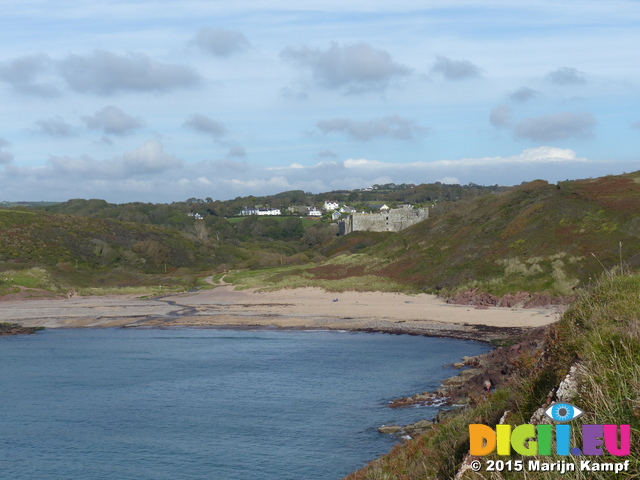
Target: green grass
<point>299,277</point>
<point>37,278</point>
<point>146,290</point>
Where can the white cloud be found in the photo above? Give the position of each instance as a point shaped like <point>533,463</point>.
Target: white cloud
<point>363,163</point>
<point>104,141</point>
<point>150,158</point>
<point>556,126</point>
<point>501,116</point>
<point>203,124</point>
<point>449,181</point>
<point>151,174</point>
<point>566,76</point>
<point>532,155</point>
<point>354,68</point>
<point>390,126</point>
<point>523,94</point>
<point>24,74</point>
<point>204,181</point>
<point>455,69</point>
<point>5,157</point>
<point>326,154</point>
<point>279,183</point>
<point>221,42</point>
<point>112,120</point>
<point>55,127</point>
<point>105,73</point>
<point>236,152</point>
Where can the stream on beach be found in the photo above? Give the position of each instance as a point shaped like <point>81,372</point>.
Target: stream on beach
<point>209,403</point>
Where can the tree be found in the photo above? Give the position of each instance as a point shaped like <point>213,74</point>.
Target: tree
<point>201,230</point>
<point>292,228</point>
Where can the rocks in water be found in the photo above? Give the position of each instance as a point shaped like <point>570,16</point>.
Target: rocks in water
<point>411,430</point>
<point>420,399</point>
<point>496,367</point>
<point>390,429</point>
<point>16,329</point>
<point>419,427</point>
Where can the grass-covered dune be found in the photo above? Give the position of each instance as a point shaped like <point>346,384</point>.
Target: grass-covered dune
<point>600,333</point>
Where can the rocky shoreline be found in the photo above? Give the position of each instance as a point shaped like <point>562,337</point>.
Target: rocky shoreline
<point>16,329</point>
<point>496,367</point>
<point>472,297</point>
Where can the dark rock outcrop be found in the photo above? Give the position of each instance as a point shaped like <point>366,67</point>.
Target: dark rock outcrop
<point>511,300</point>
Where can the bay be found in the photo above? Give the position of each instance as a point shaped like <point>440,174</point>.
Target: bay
<point>208,403</point>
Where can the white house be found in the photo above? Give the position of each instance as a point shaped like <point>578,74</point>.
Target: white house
<point>261,211</point>
<point>269,211</point>
<point>330,206</point>
<point>314,212</point>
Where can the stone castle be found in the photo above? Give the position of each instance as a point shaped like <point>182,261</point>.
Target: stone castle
<point>390,220</point>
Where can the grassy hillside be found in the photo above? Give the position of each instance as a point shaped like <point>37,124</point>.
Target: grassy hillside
<point>535,237</point>
<point>80,251</point>
<point>600,332</point>
<point>58,252</point>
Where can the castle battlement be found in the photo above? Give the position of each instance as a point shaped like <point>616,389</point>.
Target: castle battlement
<point>393,220</point>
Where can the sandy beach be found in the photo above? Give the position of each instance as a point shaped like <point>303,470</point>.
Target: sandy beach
<point>310,308</point>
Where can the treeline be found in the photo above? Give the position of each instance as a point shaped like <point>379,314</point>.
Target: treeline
<point>81,246</point>
<point>208,219</point>
<point>205,220</point>
<point>173,214</point>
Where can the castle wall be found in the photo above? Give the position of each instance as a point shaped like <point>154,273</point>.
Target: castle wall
<point>393,220</point>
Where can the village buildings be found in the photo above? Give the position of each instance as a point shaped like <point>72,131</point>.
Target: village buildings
<point>376,219</point>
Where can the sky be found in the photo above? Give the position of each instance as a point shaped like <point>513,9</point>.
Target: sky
<point>159,101</point>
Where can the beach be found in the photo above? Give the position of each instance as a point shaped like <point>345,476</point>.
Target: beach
<point>303,308</point>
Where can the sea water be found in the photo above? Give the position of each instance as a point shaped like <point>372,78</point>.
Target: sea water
<point>208,403</point>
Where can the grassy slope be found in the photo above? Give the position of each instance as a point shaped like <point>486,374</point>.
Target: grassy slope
<point>79,250</point>
<point>535,237</point>
<point>602,331</point>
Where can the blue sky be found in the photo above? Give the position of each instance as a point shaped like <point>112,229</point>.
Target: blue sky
<point>161,101</point>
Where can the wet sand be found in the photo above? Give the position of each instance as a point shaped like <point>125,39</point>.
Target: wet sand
<point>309,308</point>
